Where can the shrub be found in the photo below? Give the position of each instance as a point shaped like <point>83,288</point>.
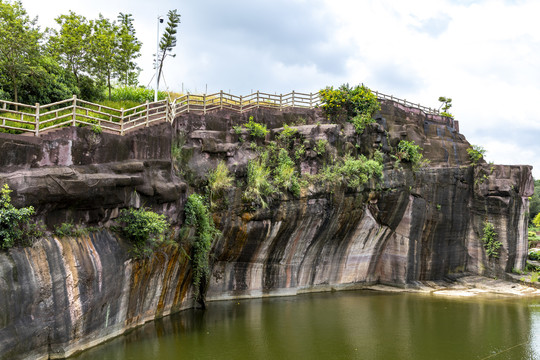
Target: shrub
<point>408,151</point>
<point>360,122</point>
<point>198,216</point>
<point>14,223</point>
<point>219,179</point>
<point>259,185</point>
<point>476,153</point>
<point>65,229</point>
<point>256,129</point>
<point>534,255</point>
<point>489,238</point>
<point>285,173</point>
<point>143,228</point>
<point>353,101</point>
<point>353,172</point>
<point>320,147</point>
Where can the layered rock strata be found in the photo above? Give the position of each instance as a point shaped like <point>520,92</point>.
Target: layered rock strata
<point>63,295</point>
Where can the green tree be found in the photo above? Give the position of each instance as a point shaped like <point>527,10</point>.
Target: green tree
<point>48,82</point>
<point>103,50</point>
<point>19,45</point>
<point>71,43</point>
<point>168,40</point>
<point>128,50</point>
<point>446,104</point>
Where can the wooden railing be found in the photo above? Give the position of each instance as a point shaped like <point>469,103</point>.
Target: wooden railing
<point>37,119</point>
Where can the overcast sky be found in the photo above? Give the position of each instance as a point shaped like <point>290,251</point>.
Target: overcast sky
<point>485,55</point>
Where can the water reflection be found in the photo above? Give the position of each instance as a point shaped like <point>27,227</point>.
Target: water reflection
<point>349,325</point>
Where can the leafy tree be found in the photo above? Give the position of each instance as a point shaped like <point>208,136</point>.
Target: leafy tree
<point>168,40</point>
<point>128,50</point>
<point>71,44</point>
<point>47,83</point>
<point>19,45</point>
<point>446,105</point>
<point>103,50</point>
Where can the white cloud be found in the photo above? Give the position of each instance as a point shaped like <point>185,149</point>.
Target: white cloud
<point>483,54</point>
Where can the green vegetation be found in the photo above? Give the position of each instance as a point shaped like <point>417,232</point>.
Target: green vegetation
<point>534,255</point>
<point>353,172</point>
<point>361,121</point>
<point>409,152</point>
<point>255,129</point>
<point>79,56</point>
<point>198,216</point>
<point>489,238</point>
<point>219,179</point>
<point>15,226</point>
<point>285,173</point>
<point>446,105</point>
<point>476,153</point>
<point>534,201</point>
<point>143,228</point>
<point>259,184</point>
<point>320,147</point>
<point>168,40</point>
<point>352,101</point>
<point>67,229</point>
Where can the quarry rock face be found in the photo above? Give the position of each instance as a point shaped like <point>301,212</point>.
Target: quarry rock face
<point>64,295</point>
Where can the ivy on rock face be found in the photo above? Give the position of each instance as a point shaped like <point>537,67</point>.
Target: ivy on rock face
<point>198,216</point>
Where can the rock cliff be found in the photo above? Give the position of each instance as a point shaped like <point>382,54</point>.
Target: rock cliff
<point>64,295</point>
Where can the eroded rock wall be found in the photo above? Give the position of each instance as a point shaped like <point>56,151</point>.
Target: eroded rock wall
<point>63,295</point>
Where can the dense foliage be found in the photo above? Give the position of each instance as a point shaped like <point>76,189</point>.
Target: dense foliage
<point>15,225</point>
<point>78,57</point>
<point>198,216</point>
<point>143,228</point>
<point>351,101</point>
<point>409,152</point>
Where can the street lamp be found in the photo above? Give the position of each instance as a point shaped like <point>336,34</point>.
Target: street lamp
<point>160,21</point>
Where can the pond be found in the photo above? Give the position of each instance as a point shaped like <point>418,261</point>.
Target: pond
<point>340,325</point>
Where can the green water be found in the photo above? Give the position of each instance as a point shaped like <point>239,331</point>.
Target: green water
<point>343,325</point>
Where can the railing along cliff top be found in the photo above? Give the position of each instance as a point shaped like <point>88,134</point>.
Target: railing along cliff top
<point>37,119</point>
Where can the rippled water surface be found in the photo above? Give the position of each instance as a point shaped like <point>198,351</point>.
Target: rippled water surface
<point>343,325</point>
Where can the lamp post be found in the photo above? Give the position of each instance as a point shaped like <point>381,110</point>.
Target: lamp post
<point>160,20</point>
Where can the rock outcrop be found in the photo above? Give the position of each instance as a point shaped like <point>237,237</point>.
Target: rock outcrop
<point>64,295</point>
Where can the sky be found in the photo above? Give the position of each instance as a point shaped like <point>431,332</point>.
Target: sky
<point>483,54</point>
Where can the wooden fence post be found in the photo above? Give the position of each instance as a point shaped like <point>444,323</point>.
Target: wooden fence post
<point>280,102</point>
<point>74,110</point>
<point>36,129</point>
<point>310,100</point>
<point>241,105</point>
<point>187,100</point>
<point>221,99</point>
<point>204,104</point>
<point>293,98</point>
<point>258,105</point>
<point>147,113</point>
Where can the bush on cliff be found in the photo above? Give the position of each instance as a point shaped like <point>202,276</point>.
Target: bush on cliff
<point>15,224</point>
<point>143,228</point>
<point>357,103</point>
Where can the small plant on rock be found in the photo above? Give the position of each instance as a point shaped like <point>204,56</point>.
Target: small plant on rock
<point>489,238</point>
<point>476,153</point>
<point>219,179</point>
<point>256,129</point>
